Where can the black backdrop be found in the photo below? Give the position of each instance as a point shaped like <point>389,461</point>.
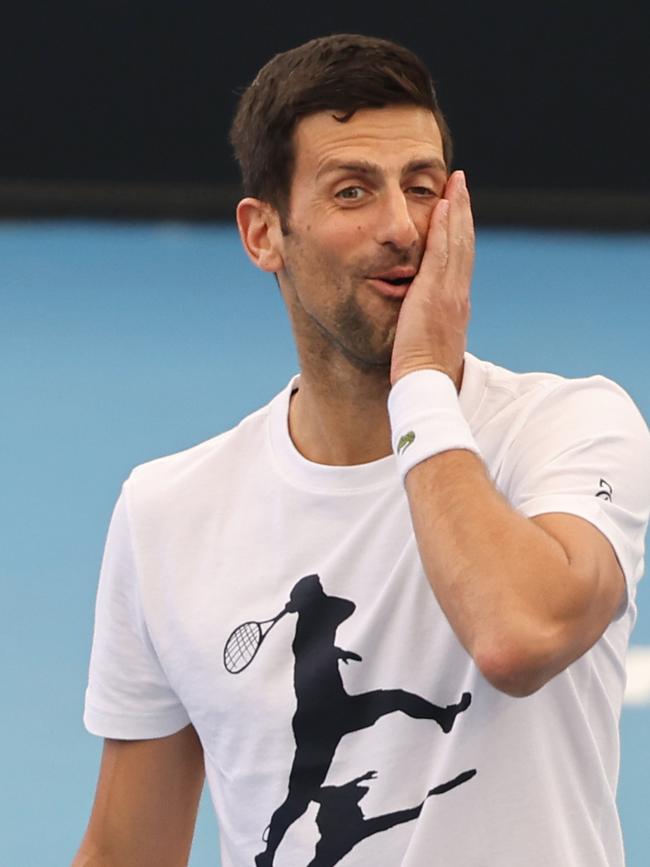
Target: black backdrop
<point>116,101</point>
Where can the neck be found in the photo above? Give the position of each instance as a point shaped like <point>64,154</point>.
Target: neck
<point>339,415</point>
<point>341,420</point>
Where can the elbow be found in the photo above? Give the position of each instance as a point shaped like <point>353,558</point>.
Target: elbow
<point>516,668</point>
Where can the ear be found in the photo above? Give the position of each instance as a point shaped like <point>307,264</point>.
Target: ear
<point>260,233</point>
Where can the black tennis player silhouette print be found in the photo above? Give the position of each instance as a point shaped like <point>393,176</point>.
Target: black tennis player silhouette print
<point>325,712</point>
<point>342,824</point>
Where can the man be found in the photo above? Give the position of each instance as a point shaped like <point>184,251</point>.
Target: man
<point>410,560</point>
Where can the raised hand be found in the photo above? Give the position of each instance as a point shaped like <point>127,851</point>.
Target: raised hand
<point>432,325</point>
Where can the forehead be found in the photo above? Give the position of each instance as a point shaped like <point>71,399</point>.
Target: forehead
<point>390,136</point>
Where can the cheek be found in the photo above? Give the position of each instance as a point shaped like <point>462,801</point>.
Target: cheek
<point>331,250</point>
<point>422,218</point>
<point>325,250</point>
<point>313,269</point>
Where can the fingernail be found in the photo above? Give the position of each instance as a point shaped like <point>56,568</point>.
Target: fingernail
<point>463,180</point>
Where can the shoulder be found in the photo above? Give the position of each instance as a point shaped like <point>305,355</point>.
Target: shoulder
<point>202,471</point>
<point>549,401</point>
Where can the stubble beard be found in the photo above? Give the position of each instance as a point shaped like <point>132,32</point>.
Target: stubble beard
<point>363,339</point>
<point>364,343</point>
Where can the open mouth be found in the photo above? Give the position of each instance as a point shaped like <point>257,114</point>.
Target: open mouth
<point>391,286</point>
<point>399,275</point>
<point>396,281</point>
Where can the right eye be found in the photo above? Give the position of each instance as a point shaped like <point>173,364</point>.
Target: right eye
<point>351,194</point>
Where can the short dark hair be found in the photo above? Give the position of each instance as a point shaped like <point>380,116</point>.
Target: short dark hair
<point>343,73</point>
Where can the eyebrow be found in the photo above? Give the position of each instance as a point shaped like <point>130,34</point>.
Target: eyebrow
<point>364,167</point>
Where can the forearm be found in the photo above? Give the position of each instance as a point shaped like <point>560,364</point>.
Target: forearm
<point>506,586</point>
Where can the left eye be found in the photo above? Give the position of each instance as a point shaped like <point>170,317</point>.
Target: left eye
<point>422,191</point>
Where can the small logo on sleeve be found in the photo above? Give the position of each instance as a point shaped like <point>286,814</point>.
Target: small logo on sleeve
<point>605,490</point>
<point>405,441</point>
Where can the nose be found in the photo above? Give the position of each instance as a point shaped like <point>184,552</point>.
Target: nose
<point>395,223</point>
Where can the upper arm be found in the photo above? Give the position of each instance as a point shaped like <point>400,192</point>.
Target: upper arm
<point>146,802</point>
<point>580,469</point>
<point>585,451</point>
<point>597,584</point>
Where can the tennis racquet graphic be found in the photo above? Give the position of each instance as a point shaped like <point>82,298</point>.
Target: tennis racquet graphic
<point>244,642</point>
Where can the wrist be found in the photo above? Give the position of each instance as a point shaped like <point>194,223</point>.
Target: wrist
<point>405,371</point>
<point>453,370</point>
<point>426,418</point>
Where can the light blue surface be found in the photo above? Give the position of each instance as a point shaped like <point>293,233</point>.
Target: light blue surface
<point>121,343</point>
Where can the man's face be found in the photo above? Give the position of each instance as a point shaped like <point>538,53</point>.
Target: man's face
<point>361,200</point>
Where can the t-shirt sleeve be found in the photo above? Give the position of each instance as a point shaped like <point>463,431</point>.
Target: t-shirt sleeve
<point>585,450</point>
<point>128,695</point>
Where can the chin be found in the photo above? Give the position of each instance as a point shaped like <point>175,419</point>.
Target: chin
<point>370,359</point>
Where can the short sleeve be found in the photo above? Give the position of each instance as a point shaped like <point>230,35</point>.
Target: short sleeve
<point>585,450</point>
<point>128,695</point>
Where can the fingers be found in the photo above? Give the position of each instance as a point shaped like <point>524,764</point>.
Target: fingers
<point>449,248</point>
<point>436,251</point>
<point>460,233</point>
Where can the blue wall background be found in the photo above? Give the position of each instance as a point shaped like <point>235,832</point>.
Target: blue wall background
<point>120,343</point>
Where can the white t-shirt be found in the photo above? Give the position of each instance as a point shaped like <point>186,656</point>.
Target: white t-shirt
<point>362,732</point>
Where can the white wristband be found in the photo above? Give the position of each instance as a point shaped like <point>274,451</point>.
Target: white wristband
<point>426,418</point>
